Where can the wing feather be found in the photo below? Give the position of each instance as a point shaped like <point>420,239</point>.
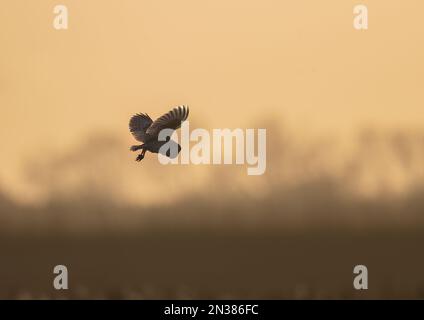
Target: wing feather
<point>139,124</point>
<point>170,120</point>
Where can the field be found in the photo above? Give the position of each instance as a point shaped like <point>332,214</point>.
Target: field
<point>222,256</point>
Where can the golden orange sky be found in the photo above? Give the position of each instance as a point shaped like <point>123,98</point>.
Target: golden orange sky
<point>236,63</point>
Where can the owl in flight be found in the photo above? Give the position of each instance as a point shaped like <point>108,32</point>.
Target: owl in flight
<point>145,130</point>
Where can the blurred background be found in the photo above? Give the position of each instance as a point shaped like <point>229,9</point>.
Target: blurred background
<point>344,183</point>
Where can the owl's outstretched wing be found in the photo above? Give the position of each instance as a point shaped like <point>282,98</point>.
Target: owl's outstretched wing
<point>139,124</point>
<point>170,120</point>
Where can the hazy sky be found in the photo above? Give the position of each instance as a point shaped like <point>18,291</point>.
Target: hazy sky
<point>236,63</point>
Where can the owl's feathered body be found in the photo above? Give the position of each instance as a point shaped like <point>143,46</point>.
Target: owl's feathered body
<point>145,130</point>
